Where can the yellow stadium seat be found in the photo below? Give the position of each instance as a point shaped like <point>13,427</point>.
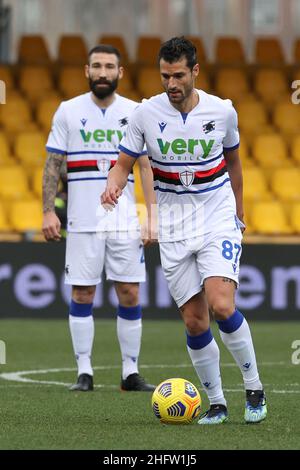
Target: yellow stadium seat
<point>297,51</point>
<point>6,76</point>
<point>46,109</point>
<point>255,185</point>
<point>26,215</point>
<point>244,154</point>
<point>285,184</point>
<point>268,51</point>
<point>149,82</point>
<point>13,182</point>
<point>201,54</point>
<point>231,83</point>
<point>269,218</point>
<point>138,189</point>
<point>247,216</point>
<point>229,51</point>
<point>72,82</point>
<point>35,82</point>
<point>37,181</point>
<point>202,81</point>
<point>295,149</point>
<point>125,84</point>
<point>30,148</point>
<point>270,151</point>
<point>286,118</point>
<point>147,50</point>
<point>295,217</point>
<point>132,95</point>
<point>72,50</point>
<point>15,115</point>
<point>4,146</point>
<point>252,117</point>
<point>119,43</point>
<point>4,223</point>
<point>270,85</point>
<point>33,50</point>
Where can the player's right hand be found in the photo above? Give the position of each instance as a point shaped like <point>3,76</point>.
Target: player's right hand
<point>110,196</point>
<point>51,226</point>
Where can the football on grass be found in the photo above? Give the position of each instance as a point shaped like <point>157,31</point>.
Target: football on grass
<point>176,401</point>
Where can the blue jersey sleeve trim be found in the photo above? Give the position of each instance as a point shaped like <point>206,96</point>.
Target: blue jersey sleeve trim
<point>51,149</point>
<point>129,152</point>
<point>231,148</point>
<point>144,152</point>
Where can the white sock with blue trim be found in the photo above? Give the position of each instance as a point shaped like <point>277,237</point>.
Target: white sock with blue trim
<point>129,331</point>
<point>205,356</point>
<point>81,324</point>
<point>236,336</point>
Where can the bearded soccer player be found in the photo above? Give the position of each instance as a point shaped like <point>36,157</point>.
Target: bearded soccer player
<point>86,133</point>
<point>192,140</point>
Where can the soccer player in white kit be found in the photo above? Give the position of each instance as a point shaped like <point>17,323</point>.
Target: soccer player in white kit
<point>192,141</point>
<point>86,133</point>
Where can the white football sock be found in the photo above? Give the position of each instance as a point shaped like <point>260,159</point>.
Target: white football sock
<point>129,335</point>
<point>240,344</point>
<point>82,333</point>
<point>206,362</point>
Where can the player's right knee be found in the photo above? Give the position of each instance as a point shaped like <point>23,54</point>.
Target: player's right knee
<point>83,294</point>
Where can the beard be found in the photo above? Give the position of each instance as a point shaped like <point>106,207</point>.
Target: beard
<point>103,92</point>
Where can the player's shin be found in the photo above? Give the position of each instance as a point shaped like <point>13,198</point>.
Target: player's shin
<point>205,356</point>
<point>129,330</point>
<point>81,324</point>
<point>236,336</point>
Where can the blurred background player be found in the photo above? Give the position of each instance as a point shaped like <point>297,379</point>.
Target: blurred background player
<point>193,141</point>
<point>86,132</point>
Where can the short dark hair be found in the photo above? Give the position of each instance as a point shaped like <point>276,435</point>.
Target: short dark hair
<point>176,48</point>
<point>107,49</point>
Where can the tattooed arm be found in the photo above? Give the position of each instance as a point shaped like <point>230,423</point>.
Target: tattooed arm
<point>52,170</point>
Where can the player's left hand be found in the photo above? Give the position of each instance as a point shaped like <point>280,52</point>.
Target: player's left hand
<point>149,232</point>
<point>110,196</point>
<point>242,224</point>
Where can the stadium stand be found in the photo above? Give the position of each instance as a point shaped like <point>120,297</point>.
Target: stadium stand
<point>72,82</point>
<point>286,117</point>
<point>35,82</point>
<point>29,148</point>
<point>33,50</point>
<point>269,123</point>
<point>26,216</point>
<point>7,76</point>
<point>147,50</point>
<point>255,185</point>
<point>270,85</point>
<point>232,83</point>
<point>72,50</point>
<point>13,183</point>
<point>270,151</point>
<point>268,51</point>
<point>201,52</point>
<point>285,184</point>
<point>229,50</point>
<point>119,43</point>
<point>269,218</point>
<point>295,217</point>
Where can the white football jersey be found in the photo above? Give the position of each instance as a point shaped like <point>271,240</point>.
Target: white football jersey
<point>89,136</point>
<point>192,184</point>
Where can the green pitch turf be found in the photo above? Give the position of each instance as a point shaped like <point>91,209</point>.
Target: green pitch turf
<point>38,412</point>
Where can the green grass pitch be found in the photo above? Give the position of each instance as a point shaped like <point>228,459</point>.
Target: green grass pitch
<point>38,412</point>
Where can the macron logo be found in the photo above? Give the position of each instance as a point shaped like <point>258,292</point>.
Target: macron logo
<point>83,122</point>
<point>162,126</point>
<point>247,365</point>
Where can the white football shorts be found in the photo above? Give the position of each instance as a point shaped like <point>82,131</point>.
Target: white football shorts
<point>187,263</point>
<point>88,253</point>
